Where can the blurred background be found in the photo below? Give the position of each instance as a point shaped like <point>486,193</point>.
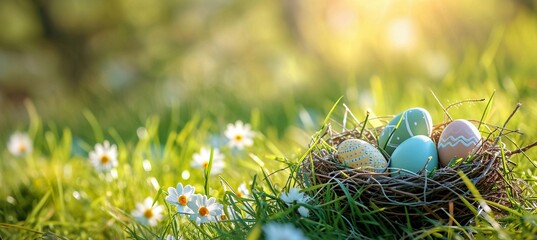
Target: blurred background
<point>126,60</point>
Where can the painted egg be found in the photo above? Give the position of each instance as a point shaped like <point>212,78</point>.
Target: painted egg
<point>416,121</point>
<point>458,140</point>
<point>413,155</point>
<point>357,153</point>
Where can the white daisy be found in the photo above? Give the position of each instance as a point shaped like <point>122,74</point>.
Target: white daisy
<point>242,190</point>
<point>280,231</point>
<point>104,157</point>
<point>239,134</point>
<point>205,210</point>
<point>171,237</point>
<point>201,160</point>
<point>20,144</point>
<point>229,214</point>
<point>294,196</point>
<point>303,211</point>
<point>180,196</point>
<point>147,214</point>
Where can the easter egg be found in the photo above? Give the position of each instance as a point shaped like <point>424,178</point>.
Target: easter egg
<point>416,121</point>
<point>357,153</point>
<point>413,155</point>
<point>458,140</point>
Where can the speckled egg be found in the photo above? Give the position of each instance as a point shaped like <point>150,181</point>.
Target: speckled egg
<point>360,154</point>
<point>413,155</point>
<point>458,140</point>
<point>416,121</point>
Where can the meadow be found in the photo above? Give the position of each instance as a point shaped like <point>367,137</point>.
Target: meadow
<point>106,110</point>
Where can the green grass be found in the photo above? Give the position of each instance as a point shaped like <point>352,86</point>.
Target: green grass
<point>56,192</point>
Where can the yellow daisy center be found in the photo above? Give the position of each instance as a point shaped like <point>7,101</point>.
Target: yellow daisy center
<point>105,159</point>
<point>203,211</point>
<point>222,217</point>
<point>204,164</point>
<point>239,194</point>
<point>148,213</point>
<point>183,200</point>
<point>22,148</point>
<point>238,137</point>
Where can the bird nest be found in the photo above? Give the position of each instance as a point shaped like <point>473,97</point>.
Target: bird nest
<point>446,194</point>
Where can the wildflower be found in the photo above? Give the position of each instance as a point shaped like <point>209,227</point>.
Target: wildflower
<point>205,210</point>
<point>201,160</point>
<point>242,190</point>
<point>180,196</point>
<point>20,144</point>
<point>303,211</point>
<point>104,157</point>
<point>294,196</point>
<point>278,231</point>
<point>239,134</point>
<point>147,214</point>
<point>171,237</point>
<point>229,214</point>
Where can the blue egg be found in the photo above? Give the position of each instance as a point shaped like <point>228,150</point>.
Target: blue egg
<point>413,155</point>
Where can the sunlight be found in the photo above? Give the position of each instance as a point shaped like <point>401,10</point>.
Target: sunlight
<point>401,34</point>
<point>134,119</point>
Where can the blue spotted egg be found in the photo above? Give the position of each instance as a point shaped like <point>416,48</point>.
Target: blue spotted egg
<point>360,154</point>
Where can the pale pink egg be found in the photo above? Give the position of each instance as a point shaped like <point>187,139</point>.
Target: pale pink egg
<point>458,140</point>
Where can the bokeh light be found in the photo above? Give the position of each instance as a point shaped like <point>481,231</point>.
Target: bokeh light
<point>401,34</point>
<point>223,59</point>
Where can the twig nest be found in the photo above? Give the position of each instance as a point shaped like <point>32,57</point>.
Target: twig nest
<point>347,163</point>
